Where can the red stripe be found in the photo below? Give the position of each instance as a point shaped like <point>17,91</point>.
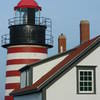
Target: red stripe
<point>13,86</point>
<point>12,73</point>
<point>22,61</point>
<point>9,98</point>
<point>27,49</point>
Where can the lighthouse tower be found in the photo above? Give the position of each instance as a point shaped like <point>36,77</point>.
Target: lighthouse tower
<point>29,38</point>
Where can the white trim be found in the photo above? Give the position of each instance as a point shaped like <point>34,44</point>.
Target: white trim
<point>23,55</point>
<point>15,79</point>
<point>27,46</point>
<point>14,67</point>
<point>8,91</point>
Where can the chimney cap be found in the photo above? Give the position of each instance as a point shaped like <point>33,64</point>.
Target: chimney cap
<point>84,22</point>
<point>61,36</point>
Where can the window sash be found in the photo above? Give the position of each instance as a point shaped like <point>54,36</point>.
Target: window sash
<point>23,79</point>
<point>86,81</point>
<point>26,78</point>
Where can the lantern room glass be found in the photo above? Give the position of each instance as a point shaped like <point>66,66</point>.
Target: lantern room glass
<point>21,16</point>
<point>26,16</point>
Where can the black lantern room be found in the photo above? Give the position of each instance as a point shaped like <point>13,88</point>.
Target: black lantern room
<point>28,28</point>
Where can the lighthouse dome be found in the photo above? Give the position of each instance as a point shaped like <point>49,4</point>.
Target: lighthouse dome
<point>27,4</point>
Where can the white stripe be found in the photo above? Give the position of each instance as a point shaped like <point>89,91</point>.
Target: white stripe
<point>15,79</point>
<point>27,46</point>
<point>11,56</point>
<point>8,91</point>
<point>15,67</point>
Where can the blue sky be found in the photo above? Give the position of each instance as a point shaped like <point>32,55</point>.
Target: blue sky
<point>65,15</point>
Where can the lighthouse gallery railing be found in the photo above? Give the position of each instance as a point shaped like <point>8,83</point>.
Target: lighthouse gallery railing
<point>5,39</point>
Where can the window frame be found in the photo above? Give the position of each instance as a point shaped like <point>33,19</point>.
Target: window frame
<point>27,77</point>
<point>23,79</point>
<point>86,68</point>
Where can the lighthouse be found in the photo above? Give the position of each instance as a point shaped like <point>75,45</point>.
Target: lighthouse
<point>28,41</point>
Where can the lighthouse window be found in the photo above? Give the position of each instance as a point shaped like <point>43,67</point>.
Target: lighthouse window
<point>21,16</point>
<point>37,14</point>
<point>24,16</point>
<point>86,80</point>
<point>23,79</point>
<point>26,78</point>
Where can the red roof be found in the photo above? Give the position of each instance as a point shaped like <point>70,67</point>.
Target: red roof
<point>72,56</point>
<point>27,4</point>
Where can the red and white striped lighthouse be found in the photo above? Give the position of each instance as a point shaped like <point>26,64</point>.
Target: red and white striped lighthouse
<point>28,41</point>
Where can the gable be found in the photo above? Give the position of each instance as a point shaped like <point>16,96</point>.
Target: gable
<point>66,86</point>
<point>44,68</point>
<point>92,59</point>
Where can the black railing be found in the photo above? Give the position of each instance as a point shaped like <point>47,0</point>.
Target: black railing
<point>5,39</point>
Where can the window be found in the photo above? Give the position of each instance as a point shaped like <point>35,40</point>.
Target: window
<point>86,79</point>
<point>21,16</point>
<point>23,79</point>
<point>26,78</point>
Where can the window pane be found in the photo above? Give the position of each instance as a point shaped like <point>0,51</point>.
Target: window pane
<point>90,73</point>
<point>27,77</point>
<point>81,78</point>
<point>81,73</point>
<point>85,83</point>
<point>85,89</point>
<point>90,88</point>
<point>23,79</point>
<point>90,78</point>
<point>81,89</point>
<point>85,73</point>
<point>81,83</point>
<point>85,78</point>
<point>89,83</point>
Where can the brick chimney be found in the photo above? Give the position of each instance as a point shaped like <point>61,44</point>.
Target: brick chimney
<point>61,43</point>
<point>84,31</point>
